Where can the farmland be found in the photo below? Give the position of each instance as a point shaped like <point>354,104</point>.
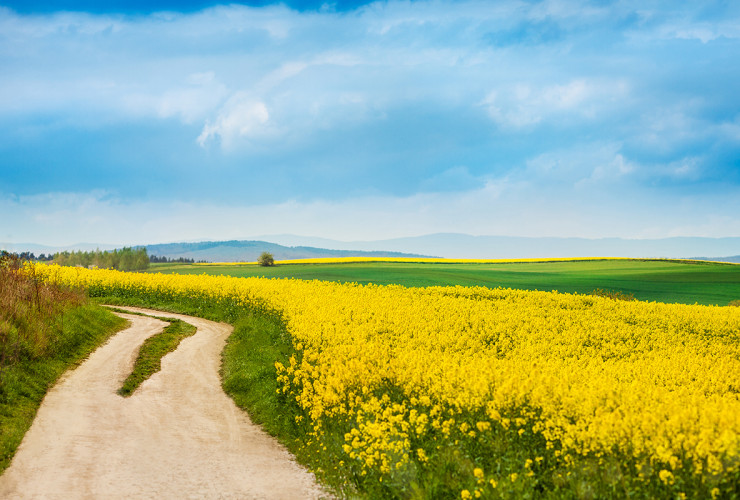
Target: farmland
<point>650,280</point>
<point>441,392</point>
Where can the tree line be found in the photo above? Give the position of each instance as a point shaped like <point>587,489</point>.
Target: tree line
<point>125,259</point>
<point>4,254</point>
<point>163,260</point>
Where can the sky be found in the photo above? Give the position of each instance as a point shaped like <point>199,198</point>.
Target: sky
<point>137,122</point>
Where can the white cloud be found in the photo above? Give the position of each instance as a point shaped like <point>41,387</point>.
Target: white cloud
<point>705,32</point>
<point>608,171</point>
<point>191,101</point>
<point>386,76</point>
<point>523,104</point>
<point>241,117</point>
<point>583,166</point>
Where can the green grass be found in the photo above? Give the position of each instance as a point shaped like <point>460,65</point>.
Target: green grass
<point>24,384</point>
<point>652,280</point>
<point>149,359</point>
<point>248,373</point>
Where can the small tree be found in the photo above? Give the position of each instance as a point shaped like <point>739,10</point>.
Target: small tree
<point>266,259</point>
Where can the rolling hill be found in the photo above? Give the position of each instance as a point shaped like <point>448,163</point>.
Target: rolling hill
<point>249,250</point>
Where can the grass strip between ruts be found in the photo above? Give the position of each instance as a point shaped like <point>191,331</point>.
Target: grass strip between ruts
<point>151,352</point>
<point>248,373</point>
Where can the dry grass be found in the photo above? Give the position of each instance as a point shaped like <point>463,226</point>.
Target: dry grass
<point>31,312</point>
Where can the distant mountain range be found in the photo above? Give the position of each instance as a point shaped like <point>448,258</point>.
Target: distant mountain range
<point>465,246</point>
<point>250,250</point>
<point>454,246</point>
<point>433,245</point>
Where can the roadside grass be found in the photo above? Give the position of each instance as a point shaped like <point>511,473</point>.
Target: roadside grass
<point>24,383</point>
<point>151,352</point>
<point>249,376</point>
<point>44,330</point>
<point>670,281</point>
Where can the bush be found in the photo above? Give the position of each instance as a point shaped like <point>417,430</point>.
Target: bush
<point>31,313</point>
<point>735,303</point>
<point>266,259</point>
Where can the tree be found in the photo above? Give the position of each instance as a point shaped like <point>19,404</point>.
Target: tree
<point>266,259</point>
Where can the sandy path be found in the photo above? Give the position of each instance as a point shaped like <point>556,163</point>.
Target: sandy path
<point>178,436</point>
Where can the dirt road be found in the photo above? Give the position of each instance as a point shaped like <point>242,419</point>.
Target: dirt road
<point>178,436</point>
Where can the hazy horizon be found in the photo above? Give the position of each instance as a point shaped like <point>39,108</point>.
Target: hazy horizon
<point>449,245</point>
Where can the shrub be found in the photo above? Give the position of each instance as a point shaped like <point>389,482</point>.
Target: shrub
<point>735,303</point>
<point>31,312</point>
<point>266,259</point>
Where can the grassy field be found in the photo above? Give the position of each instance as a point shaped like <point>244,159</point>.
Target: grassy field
<point>652,280</point>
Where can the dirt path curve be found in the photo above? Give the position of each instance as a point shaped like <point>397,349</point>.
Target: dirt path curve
<point>179,436</point>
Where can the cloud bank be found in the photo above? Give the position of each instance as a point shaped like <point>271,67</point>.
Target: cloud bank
<point>600,118</point>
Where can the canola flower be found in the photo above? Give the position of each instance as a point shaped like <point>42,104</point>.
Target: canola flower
<point>409,372</point>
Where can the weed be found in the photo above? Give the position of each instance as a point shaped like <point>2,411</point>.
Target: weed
<point>31,313</point>
<point>613,294</point>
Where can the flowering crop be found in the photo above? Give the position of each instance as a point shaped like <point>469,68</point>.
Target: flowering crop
<point>518,390</point>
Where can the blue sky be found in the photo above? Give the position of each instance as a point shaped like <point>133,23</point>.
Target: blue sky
<point>147,122</point>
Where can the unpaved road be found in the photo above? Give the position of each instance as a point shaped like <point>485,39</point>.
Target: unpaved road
<point>178,436</point>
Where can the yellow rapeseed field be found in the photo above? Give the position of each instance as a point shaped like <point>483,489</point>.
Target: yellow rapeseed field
<point>410,372</point>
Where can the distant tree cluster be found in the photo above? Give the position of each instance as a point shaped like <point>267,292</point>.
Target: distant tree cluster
<point>125,259</point>
<point>27,256</point>
<point>163,260</point>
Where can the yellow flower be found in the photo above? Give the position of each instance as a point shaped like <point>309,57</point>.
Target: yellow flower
<point>666,477</point>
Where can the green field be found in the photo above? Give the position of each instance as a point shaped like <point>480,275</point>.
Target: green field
<point>652,280</point>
